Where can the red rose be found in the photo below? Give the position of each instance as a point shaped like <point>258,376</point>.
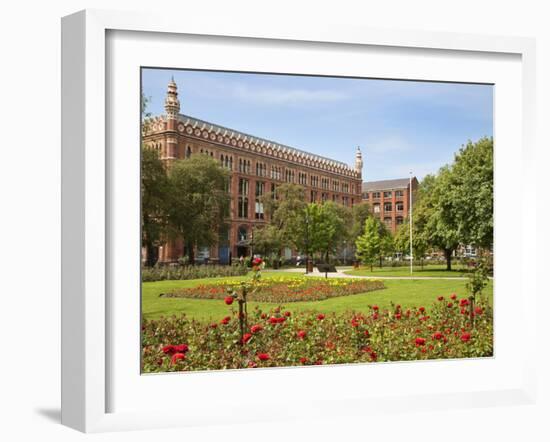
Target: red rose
<point>252,364</point>
<point>478,310</point>
<point>263,356</point>
<point>182,348</point>
<point>465,337</point>
<point>422,309</point>
<point>228,300</point>
<point>256,328</point>
<point>303,360</point>
<point>464,302</point>
<point>375,316</point>
<point>257,261</point>
<point>398,316</point>
<point>420,341</point>
<point>176,357</point>
<point>373,355</point>
<point>375,308</point>
<point>320,316</point>
<point>440,298</point>
<point>263,316</point>
<point>453,296</point>
<point>437,335</point>
<point>246,337</point>
<point>450,304</point>
<point>367,334</point>
<point>214,325</point>
<point>301,334</point>
<point>225,320</point>
<point>169,349</point>
<point>287,314</point>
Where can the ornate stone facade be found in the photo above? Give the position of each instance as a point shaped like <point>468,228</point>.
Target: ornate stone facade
<point>257,166</point>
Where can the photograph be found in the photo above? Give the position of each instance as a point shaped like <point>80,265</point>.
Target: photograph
<point>293,220</point>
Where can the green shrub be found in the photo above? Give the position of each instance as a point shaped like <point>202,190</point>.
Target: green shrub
<point>150,274</point>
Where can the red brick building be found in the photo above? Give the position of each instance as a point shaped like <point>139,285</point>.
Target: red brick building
<point>257,167</point>
<point>390,200</point>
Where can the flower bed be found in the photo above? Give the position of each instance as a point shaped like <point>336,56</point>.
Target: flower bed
<point>283,290</point>
<point>448,329</point>
<point>150,274</point>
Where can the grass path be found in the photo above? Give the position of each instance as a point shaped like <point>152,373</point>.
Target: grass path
<point>408,293</point>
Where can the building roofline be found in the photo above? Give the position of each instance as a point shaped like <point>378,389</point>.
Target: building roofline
<point>265,140</point>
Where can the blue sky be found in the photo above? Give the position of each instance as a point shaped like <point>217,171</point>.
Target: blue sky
<point>399,125</point>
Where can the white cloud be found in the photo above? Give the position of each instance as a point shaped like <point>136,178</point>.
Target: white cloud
<point>276,96</point>
<point>390,144</point>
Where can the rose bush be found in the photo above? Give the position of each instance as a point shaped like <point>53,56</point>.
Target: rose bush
<point>282,290</point>
<point>275,338</point>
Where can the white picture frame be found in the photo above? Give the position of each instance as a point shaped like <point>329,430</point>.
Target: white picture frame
<point>87,229</point>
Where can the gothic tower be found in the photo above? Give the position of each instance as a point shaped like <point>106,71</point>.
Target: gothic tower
<point>172,108</point>
<point>171,102</point>
<point>359,161</point>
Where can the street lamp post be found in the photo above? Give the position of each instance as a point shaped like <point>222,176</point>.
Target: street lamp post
<point>307,243</point>
<point>411,220</point>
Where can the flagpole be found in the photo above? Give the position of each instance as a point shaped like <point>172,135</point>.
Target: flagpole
<point>411,220</point>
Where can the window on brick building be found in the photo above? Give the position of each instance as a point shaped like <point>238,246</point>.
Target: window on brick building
<point>375,195</point>
<point>387,194</point>
<point>274,191</point>
<point>242,211</point>
<point>242,234</point>
<point>399,220</point>
<point>387,207</point>
<point>259,206</point>
<point>376,208</point>
<point>366,196</point>
<point>387,222</point>
<point>399,206</point>
<point>188,152</point>
<point>398,193</point>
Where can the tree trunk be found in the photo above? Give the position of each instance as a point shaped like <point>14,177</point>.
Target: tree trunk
<point>191,253</point>
<point>150,254</point>
<point>448,256</point>
<point>380,258</point>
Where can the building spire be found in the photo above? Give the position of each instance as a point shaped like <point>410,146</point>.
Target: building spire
<point>358,160</point>
<point>171,102</point>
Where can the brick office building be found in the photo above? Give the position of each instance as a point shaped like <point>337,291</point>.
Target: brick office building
<point>390,200</point>
<point>257,167</point>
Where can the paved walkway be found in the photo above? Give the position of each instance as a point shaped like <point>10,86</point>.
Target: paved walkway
<point>340,274</point>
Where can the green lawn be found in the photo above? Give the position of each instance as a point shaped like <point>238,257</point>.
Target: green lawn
<point>437,270</point>
<point>405,292</point>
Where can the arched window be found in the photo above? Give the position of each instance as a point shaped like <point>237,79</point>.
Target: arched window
<point>242,233</point>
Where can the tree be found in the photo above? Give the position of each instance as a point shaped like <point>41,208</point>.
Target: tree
<point>154,191</point>
<point>285,211</point>
<point>368,245</point>
<point>327,227</point>
<point>470,193</point>
<point>359,213</point>
<point>420,243</point>
<point>198,201</point>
